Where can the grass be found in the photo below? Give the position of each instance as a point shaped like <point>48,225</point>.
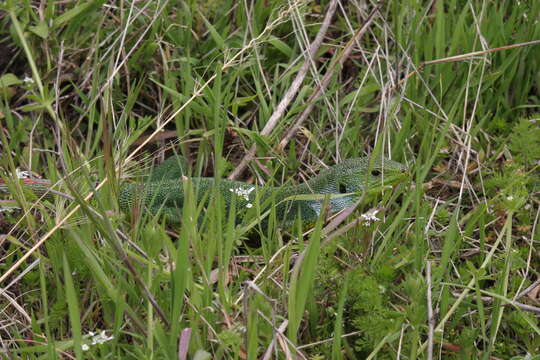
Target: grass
<point>93,91</point>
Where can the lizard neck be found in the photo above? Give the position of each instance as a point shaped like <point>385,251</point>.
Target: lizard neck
<point>319,185</point>
<point>309,209</point>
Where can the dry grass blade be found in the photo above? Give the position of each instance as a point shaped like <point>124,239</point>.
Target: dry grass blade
<point>293,89</point>
<point>470,55</point>
<point>343,56</point>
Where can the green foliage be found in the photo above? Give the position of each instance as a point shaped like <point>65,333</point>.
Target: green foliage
<point>511,187</point>
<point>367,311</point>
<point>82,83</point>
<point>525,141</point>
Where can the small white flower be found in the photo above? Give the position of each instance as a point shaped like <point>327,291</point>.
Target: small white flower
<point>241,192</point>
<point>101,338</point>
<point>249,205</point>
<point>370,216</point>
<point>28,80</point>
<point>510,198</point>
<point>96,339</point>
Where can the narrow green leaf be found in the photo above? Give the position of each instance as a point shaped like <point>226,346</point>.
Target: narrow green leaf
<point>304,273</point>
<point>71,13</point>
<point>73,308</point>
<point>214,33</point>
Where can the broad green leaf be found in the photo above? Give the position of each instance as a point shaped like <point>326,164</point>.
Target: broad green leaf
<point>41,29</point>
<point>9,79</point>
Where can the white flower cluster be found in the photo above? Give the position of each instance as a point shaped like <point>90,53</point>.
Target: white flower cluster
<point>28,80</point>
<point>243,192</point>
<point>96,339</point>
<point>370,216</point>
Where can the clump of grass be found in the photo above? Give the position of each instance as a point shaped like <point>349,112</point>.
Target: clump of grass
<point>89,87</point>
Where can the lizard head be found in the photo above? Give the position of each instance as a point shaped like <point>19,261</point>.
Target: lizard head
<point>363,174</point>
<point>353,177</point>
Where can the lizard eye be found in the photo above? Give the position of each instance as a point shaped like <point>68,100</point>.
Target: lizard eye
<point>375,172</point>
<point>342,188</point>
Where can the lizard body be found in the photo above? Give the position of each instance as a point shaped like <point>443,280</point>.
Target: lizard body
<point>344,182</point>
<point>163,192</point>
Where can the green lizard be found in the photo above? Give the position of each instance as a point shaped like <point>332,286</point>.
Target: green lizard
<point>163,192</point>
<point>345,182</point>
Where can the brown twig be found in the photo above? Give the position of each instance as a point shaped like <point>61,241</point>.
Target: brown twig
<point>467,56</point>
<point>292,91</point>
<point>326,79</point>
<point>481,52</point>
<point>489,299</point>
